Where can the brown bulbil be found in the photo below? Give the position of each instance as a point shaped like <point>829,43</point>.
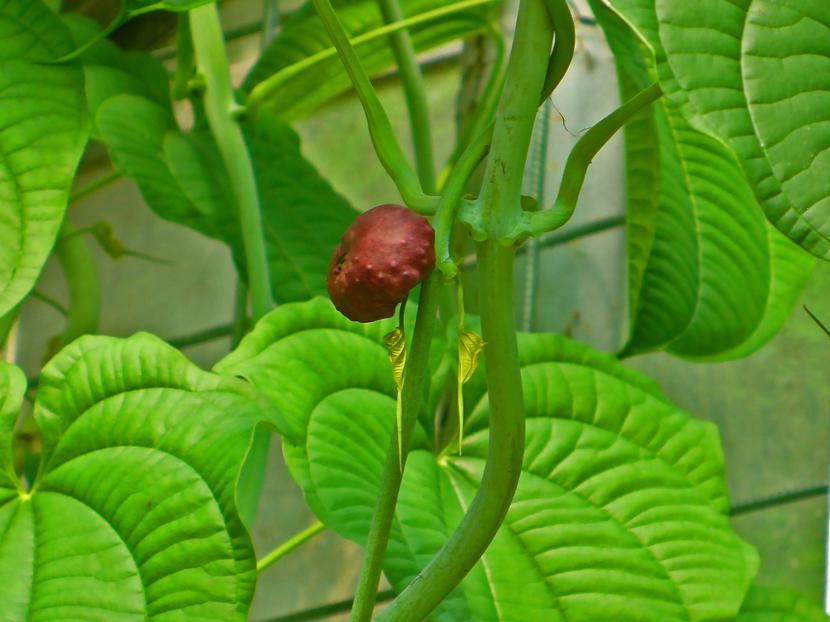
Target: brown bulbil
<point>384,254</point>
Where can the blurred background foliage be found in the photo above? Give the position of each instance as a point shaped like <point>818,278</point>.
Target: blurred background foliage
<point>772,408</point>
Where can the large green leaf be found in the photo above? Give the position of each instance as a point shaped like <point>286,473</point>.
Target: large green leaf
<point>620,512</point>
<point>709,277</point>
<point>109,70</point>
<point>303,36</point>
<point>764,604</point>
<point>307,360</point>
<point>43,130</point>
<point>133,513</point>
<point>145,144</point>
<point>183,179</point>
<point>756,73</point>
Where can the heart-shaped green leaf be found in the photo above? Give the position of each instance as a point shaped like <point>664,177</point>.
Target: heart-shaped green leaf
<point>621,508</point>
<point>43,130</point>
<point>756,74</point>
<point>764,604</point>
<point>133,513</point>
<point>709,277</point>
<point>309,78</point>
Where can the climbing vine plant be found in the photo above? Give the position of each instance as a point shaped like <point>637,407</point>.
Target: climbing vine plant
<point>549,482</point>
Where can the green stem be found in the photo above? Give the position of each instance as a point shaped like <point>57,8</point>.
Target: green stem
<point>504,460</point>
<point>486,108</point>
<point>779,499</point>
<point>202,336</point>
<point>817,321</point>
<point>580,158</point>
<point>451,198</point>
<point>49,302</point>
<point>501,211</point>
<point>415,378</point>
<point>289,545</point>
<point>270,19</point>
<point>265,89</point>
<point>240,313</point>
<point>501,195</point>
<point>185,63</point>
<point>551,240</point>
<point>82,280</point>
<point>96,185</point>
<point>380,128</point>
<point>318,613</point>
<point>416,95</point>
<point>221,110</point>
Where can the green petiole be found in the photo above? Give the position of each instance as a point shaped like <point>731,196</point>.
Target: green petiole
<point>451,199</point>
<point>380,128</point>
<point>415,377</point>
<point>289,545</point>
<point>577,165</point>
<point>486,110</point>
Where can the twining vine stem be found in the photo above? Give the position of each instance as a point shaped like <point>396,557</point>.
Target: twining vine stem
<point>416,95</point>
<point>412,395</point>
<point>386,145</point>
<point>78,268</point>
<point>222,110</point>
<point>500,207</point>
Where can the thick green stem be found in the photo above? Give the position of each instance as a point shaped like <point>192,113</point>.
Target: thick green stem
<point>222,109</point>
<point>504,460</point>
<point>82,280</point>
<point>416,95</point>
<point>526,70</point>
<point>501,211</point>
<point>289,545</point>
<point>412,396</point>
<point>790,496</point>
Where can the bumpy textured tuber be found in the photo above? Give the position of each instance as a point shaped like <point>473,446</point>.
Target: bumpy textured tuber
<point>385,253</point>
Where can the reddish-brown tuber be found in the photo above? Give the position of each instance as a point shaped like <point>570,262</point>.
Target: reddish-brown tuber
<point>384,254</point>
